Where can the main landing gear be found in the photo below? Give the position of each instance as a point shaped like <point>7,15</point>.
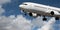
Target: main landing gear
<point>44,18</point>
<point>56,18</point>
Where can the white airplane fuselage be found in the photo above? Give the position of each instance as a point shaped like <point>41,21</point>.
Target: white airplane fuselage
<point>40,9</point>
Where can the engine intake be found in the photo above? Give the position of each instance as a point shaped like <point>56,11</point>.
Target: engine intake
<point>30,14</point>
<point>52,13</point>
<point>33,14</point>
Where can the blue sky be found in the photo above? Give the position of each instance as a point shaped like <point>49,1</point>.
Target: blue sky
<point>12,8</point>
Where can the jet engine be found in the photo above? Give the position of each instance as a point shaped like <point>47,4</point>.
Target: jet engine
<point>33,14</point>
<point>54,12</point>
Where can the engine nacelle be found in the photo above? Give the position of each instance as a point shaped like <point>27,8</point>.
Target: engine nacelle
<point>33,14</point>
<point>54,13</point>
<point>30,14</point>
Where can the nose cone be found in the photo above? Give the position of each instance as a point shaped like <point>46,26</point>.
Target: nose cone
<point>20,6</point>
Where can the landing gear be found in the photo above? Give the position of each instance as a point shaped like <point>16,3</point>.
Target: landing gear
<point>44,19</point>
<point>56,18</point>
<point>25,13</point>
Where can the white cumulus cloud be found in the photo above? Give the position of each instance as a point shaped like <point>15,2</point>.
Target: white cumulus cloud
<point>48,25</point>
<point>14,23</point>
<point>4,1</point>
<point>1,10</point>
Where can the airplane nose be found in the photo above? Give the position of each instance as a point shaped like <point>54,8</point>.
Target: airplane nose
<point>21,6</point>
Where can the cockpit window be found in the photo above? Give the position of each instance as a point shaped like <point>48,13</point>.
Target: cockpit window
<point>24,4</point>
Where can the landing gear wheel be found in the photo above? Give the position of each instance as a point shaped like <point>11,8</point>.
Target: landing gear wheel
<point>44,19</point>
<point>56,18</point>
<point>25,13</point>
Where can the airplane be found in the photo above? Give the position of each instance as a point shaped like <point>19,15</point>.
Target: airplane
<point>35,10</point>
